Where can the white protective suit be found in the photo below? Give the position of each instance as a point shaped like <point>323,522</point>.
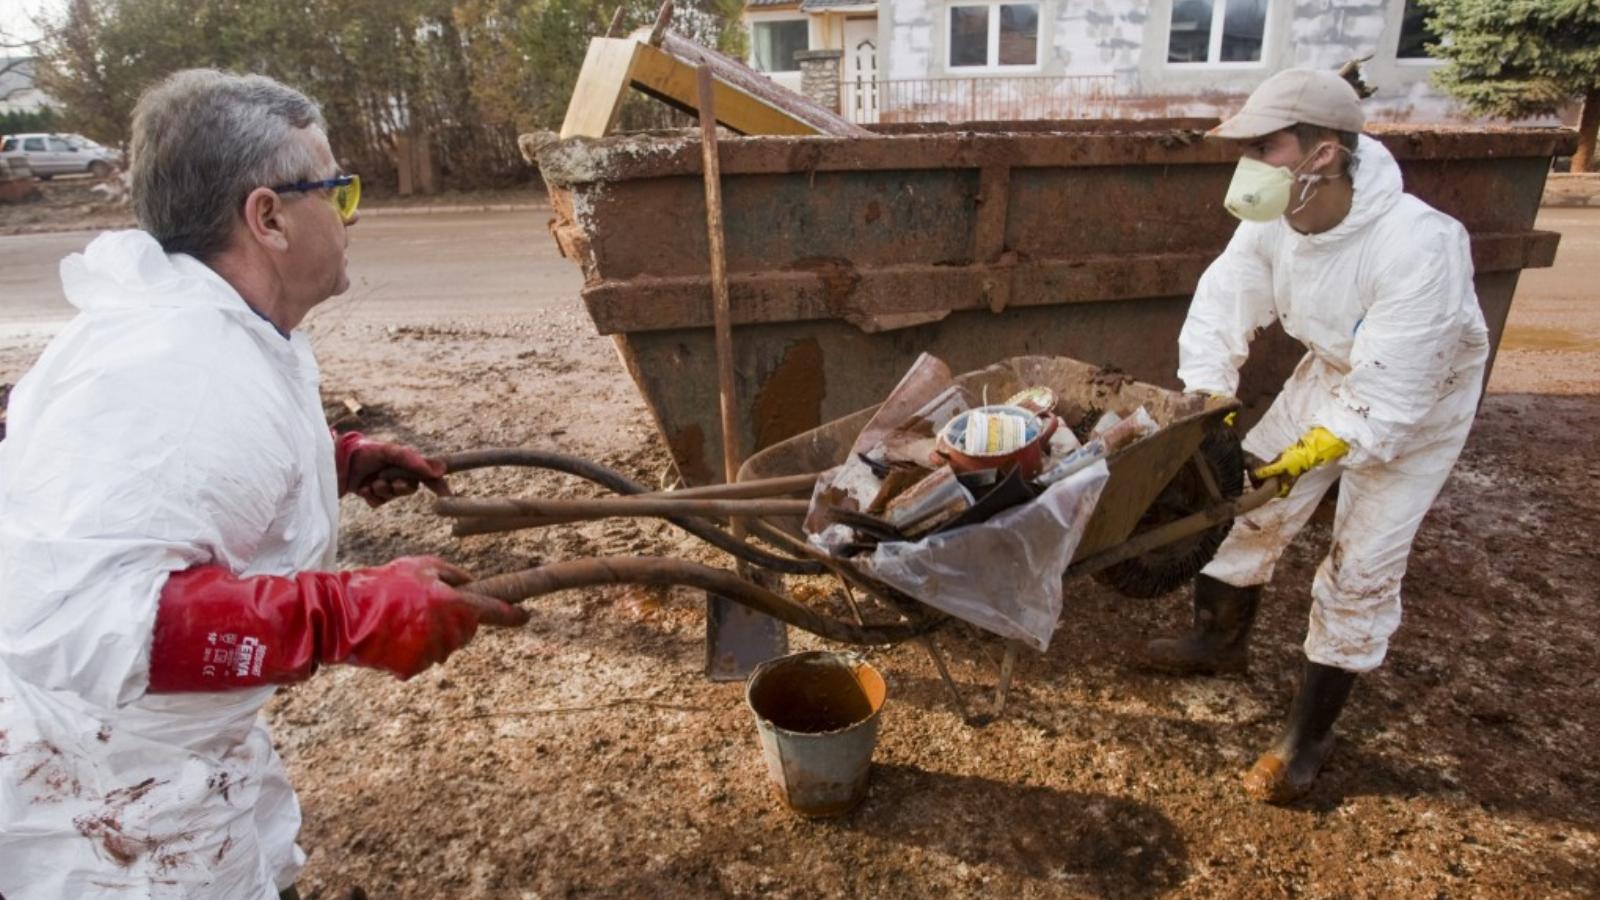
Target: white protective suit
<point>167,426</point>
<point>1397,347</point>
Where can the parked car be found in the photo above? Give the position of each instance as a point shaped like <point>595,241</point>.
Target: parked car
<point>49,155</point>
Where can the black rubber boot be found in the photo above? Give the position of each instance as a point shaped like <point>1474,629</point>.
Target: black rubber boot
<point>1219,643</point>
<point>1287,771</point>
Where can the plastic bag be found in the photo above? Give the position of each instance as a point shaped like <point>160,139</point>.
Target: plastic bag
<point>1003,575</point>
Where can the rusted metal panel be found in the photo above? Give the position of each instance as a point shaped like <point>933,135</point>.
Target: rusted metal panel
<point>1099,143</point>
<point>848,257</point>
<point>885,298</point>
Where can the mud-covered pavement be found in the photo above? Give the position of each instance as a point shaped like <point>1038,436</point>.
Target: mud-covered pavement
<point>585,754</point>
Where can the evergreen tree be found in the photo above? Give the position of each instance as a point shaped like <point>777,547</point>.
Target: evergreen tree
<point>1519,58</point>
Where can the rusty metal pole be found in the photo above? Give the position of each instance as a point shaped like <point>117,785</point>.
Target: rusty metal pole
<point>737,638</point>
<point>720,313</point>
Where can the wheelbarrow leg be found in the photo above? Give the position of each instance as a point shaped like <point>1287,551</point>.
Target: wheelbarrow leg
<point>1008,666</point>
<point>949,683</point>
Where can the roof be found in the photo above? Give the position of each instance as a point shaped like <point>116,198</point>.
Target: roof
<point>809,5</point>
<point>761,4</point>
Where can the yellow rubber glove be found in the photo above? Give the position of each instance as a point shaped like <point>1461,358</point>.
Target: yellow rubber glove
<point>1317,447</point>
<point>1231,418</point>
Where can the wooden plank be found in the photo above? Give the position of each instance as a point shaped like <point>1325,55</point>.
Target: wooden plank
<point>657,72</point>
<point>602,84</point>
<point>730,71</point>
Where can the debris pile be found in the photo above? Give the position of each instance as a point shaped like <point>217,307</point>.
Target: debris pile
<point>971,507</point>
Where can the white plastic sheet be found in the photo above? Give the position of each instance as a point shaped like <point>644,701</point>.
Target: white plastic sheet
<point>1003,575</point>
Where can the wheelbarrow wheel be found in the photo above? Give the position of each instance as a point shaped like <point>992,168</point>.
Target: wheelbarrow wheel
<point>1174,565</point>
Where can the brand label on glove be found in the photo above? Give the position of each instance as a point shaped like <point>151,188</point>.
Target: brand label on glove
<point>232,656</point>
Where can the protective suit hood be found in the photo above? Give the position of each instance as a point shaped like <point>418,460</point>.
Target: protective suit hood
<point>1378,187</point>
<point>128,270</point>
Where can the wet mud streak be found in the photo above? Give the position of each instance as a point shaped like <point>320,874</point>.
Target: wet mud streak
<point>49,773</point>
<point>221,783</point>
<point>689,452</point>
<point>790,400</point>
<point>105,829</point>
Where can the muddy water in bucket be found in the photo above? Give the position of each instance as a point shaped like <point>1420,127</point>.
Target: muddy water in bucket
<point>817,714</point>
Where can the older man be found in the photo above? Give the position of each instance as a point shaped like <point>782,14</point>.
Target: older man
<point>1378,286</point>
<point>168,512</point>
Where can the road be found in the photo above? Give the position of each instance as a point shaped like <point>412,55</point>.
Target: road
<point>414,268</point>
<point>403,268</point>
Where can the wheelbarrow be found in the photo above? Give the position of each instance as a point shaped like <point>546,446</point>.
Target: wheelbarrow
<point>1165,508</point>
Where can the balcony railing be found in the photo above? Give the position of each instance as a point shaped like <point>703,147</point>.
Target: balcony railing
<point>974,99</point>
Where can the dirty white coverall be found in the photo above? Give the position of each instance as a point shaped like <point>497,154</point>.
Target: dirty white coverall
<point>1397,347</point>
<point>166,426</point>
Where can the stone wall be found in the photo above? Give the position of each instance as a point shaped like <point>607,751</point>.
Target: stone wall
<point>819,76</point>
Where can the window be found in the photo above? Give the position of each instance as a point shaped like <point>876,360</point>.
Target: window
<point>994,35</point>
<point>36,145</point>
<point>57,145</point>
<point>776,43</point>
<point>9,145</point>
<point>1217,31</point>
<point>1415,34</point>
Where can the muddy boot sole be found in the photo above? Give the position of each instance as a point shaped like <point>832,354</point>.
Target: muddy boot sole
<point>1279,778</point>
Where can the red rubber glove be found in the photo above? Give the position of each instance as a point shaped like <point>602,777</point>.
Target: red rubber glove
<point>216,632</point>
<point>379,471</point>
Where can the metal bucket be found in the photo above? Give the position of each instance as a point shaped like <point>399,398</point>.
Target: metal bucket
<point>817,714</point>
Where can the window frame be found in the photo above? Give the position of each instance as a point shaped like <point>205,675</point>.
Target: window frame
<point>992,51</point>
<point>800,18</point>
<point>1418,62</point>
<point>1219,13</point>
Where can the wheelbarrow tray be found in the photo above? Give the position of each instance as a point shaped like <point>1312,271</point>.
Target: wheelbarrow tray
<point>1139,471</point>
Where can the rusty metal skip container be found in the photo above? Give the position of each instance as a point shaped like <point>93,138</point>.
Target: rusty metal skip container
<point>818,715</point>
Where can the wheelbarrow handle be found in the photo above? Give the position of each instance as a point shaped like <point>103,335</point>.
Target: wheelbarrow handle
<point>1171,532</point>
<point>578,573</point>
<point>612,480</point>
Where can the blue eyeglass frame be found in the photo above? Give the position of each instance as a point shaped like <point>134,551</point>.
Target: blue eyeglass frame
<point>303,186</point>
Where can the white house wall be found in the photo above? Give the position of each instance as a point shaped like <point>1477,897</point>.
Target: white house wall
<point>1097,37</point>
<point>909,26</point>
<point>1128,40</point>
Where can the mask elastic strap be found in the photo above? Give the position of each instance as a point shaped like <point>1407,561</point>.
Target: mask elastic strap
<point>1309,181</point>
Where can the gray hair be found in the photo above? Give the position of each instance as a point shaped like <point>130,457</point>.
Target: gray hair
<point>202,141</point>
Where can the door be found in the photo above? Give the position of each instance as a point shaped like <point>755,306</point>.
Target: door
<point>64,157</point>
<point>39,156</point>
<point>861,70</point>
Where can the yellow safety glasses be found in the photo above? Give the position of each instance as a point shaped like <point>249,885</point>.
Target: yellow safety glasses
<point>344,193</point>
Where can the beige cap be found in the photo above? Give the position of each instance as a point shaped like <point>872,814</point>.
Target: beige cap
<point>1296,97</point>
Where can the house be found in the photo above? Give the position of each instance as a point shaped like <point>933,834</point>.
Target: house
<point>966,60</point>
<point>17,91</point>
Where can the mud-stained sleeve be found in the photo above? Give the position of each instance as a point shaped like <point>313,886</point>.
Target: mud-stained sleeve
<point>1405,347</point>
<point>1232,303</point>
<point>131,472</point>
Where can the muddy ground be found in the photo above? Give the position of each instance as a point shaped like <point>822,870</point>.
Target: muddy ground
<point>585,754</point>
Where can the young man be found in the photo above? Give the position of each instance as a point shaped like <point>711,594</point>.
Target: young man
<point>1378,286</point>
<point>168,518</point>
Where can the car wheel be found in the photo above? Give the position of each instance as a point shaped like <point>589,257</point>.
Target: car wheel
<point>99,168</point>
